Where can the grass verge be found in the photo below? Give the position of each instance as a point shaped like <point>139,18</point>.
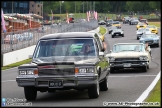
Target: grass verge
<point>157,24</point>
<point>155,94</point>
<point>102,30</point>
<point>15,64</point>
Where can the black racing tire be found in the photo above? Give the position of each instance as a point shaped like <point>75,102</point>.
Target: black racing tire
<point>93,91</point>
<point>112,70</point>
<point>144,69</point>
<point>30,93</point>
<point>104,84</point>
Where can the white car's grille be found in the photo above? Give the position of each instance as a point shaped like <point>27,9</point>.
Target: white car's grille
<point>121,59</point>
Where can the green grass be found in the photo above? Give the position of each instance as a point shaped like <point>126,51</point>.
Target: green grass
<point>157,24</point>
<point>102,30</point>
<point>111,16</point>
<point>155,95</point>
<point>15,64</point>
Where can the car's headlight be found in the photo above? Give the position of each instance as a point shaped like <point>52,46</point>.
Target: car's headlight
<point>85,70</point>
<point>111,58</point>
<point>155,40</point>
<point>82,70</point>
<point>28,72</point>
<point>143,57</point>
<point>22,72</point>
<point>142,41</point>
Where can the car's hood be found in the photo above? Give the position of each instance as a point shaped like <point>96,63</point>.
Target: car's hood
<point>152,28</point>
<point>75,60</point>
<point>130,54</point>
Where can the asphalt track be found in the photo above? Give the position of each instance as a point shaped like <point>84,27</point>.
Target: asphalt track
<point>124,86</point>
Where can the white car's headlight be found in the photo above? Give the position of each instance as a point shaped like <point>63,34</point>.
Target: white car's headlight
<point>111,58</point>
<point>155,40</point>
<point>143,57</point>
<point>22,72</point>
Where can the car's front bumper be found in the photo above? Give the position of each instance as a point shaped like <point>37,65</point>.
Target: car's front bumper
<point>128,64</point>
<point>73,81</point>
<point>150,43</point>
<point>134,22</point>
<point>139,35</point>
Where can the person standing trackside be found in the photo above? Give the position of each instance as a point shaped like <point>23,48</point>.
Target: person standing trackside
<point>147,48</point>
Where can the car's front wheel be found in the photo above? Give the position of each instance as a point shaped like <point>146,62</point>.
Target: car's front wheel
<point>30,93</point>
<point>104,84</point>
<point>137,38</point>
<point>144,69</point>
<point>122,35</point>
<point>112,36</point>
<point>93,91</point>
<point>112,70</point>
<point>157,45</point>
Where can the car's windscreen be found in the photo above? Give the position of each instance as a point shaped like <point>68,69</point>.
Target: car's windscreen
<point>127,47</point>
<point>140,30</point>
<point>115,22</point>
<point>135,18</point>
<point>65,47</point>
<point>143,21</point>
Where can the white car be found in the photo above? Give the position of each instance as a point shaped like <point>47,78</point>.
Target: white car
<point>117,32</point>
<point>142,31</point>
<point>128,55</point>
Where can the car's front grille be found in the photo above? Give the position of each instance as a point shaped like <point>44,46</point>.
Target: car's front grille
<point>56,72</point>
<point>150,41</point>
<point>121,59</point>
<point>117,33</point>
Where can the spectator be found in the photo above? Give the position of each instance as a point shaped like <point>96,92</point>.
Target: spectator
<point>147,48</point>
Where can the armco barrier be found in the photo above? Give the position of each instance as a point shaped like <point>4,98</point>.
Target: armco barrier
<point>20,55</point>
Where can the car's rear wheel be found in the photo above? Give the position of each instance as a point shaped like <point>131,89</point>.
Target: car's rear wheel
<point>112,36</point>
<point>104,84</point>
<point>30,93</point>
<point>93,91</point>
<point>137,38</point>
<point>122,35</point>
<point>144,69</point>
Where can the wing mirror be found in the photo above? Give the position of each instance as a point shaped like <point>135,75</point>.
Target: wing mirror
<point>30,56</point>
<point>110,50</point>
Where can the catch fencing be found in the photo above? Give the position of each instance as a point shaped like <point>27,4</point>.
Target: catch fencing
<point>22,39</point>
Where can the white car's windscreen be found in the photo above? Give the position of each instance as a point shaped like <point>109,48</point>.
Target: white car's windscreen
<point>128,47</point>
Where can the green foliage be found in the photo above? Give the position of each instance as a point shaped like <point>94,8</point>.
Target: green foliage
<point>155,95</point>
<point>100,6</point>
